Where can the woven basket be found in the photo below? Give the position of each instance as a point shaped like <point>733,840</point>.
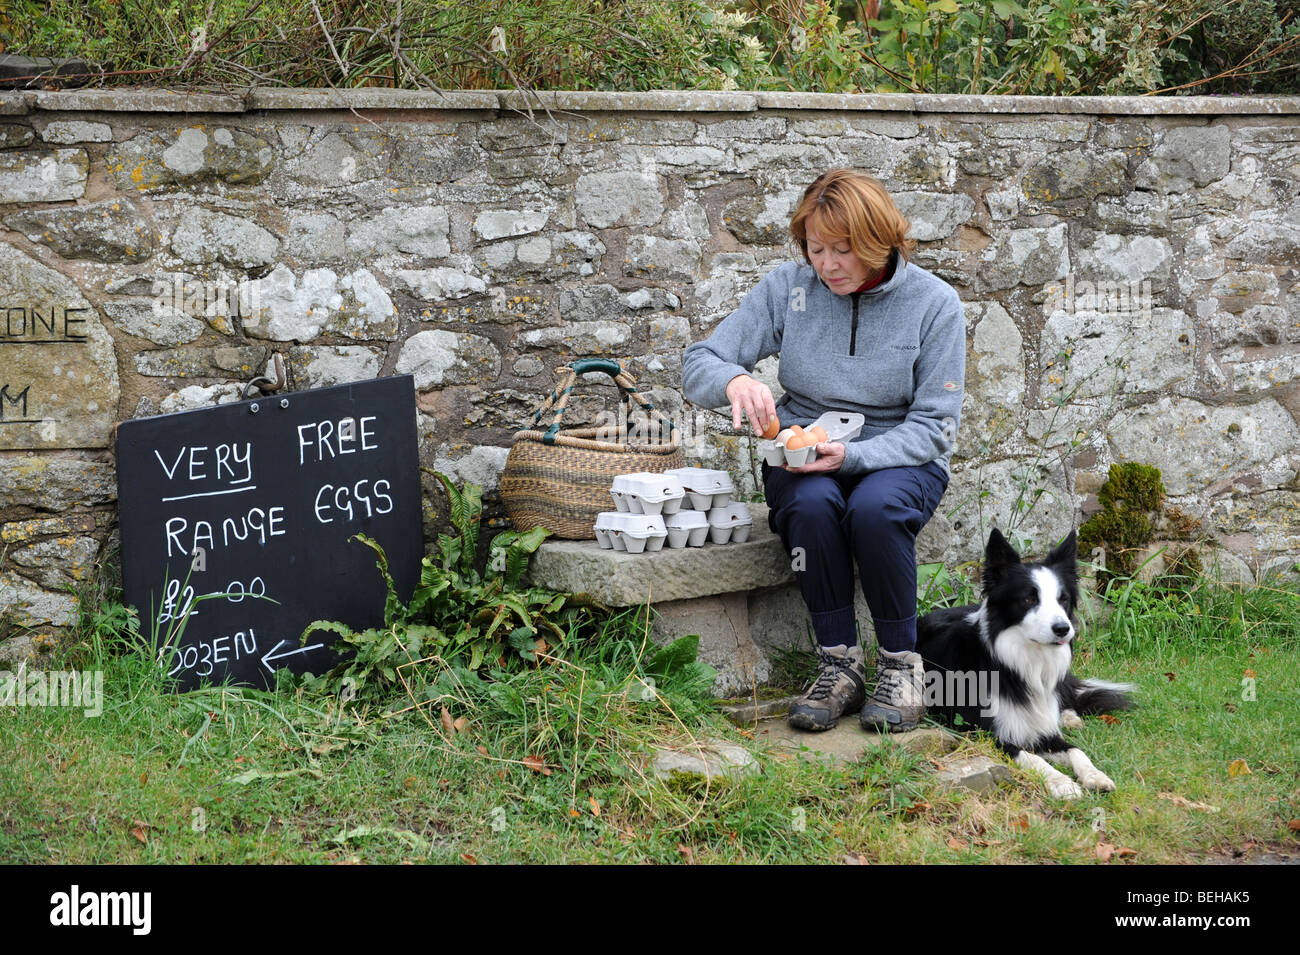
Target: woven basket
<point>560,479</point>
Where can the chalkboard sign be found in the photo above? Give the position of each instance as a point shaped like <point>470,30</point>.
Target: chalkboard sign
<point>235,524</point>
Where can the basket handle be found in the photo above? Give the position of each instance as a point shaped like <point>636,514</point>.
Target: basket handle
<point>558,399</point>
<point>609,366</point>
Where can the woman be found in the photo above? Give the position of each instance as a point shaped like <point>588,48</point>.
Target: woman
<point>859,328</point>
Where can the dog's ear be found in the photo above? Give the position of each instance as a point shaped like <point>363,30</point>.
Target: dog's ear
<point>998,556</point>
<point>999,552</point>
<point>1065,553</point>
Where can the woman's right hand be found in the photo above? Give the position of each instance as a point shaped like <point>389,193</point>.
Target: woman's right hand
<point>751,397</point>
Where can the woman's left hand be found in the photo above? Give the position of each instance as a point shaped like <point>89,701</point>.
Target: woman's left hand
<point>830,455</point>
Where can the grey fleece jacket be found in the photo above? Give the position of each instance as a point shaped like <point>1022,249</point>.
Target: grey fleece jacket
<point>895,353</point>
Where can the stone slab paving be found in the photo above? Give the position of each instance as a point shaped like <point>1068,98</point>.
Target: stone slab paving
<point>846,742</point>
<point>749,712</point>
<point>711,758</point>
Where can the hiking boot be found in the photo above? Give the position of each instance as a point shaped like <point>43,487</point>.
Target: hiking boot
<point>840,688</point>
<point>898,702</point>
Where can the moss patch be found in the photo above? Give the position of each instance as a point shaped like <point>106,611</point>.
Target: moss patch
<point>1132,515</point>
<point>1130,501</point>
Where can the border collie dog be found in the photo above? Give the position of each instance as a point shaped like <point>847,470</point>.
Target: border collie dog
<point>1016,647</point>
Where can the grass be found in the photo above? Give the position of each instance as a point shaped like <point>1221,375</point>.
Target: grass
<point>550,765</point>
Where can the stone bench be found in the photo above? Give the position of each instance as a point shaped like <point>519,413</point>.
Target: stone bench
<point>740,598</point>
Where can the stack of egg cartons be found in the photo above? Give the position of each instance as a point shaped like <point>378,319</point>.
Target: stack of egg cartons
<point>712,513</point>
<point>644,501</point>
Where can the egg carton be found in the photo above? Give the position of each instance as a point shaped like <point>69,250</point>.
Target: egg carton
<point>730,523</point>
<point>687,528</point>
<point>634,533</point>
<point>645,492</point>
<point>841,426</point>
<point>705,489</point>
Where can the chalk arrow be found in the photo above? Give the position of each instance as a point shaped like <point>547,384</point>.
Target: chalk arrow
<point>272,655</point>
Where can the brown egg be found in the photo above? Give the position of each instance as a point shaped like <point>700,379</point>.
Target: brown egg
<point>821,434</point>
<point>773,428</point>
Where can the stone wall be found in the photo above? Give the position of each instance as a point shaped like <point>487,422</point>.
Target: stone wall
<point>1128,268</point>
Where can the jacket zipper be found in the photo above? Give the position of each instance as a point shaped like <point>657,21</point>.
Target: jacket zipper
<point>853,332</point>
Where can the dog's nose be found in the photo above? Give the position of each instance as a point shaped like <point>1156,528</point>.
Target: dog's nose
<point>1061,628</point>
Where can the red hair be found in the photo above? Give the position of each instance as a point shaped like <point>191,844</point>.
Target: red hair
<point>843,204</point>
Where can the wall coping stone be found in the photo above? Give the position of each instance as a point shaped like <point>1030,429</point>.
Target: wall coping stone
<point>135,101</point>
<point>372,98</point>
<point>678,101</point>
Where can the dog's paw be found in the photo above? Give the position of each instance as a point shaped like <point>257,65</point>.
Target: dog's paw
<point>1070,720</point>
<point>1096,780</point>
<point>1064,788</point>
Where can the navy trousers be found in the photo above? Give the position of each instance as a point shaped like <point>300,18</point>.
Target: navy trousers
<point>827,521</point>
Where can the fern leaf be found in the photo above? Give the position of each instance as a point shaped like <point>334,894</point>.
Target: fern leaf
<point>393,612</point>
<point>332,626</point>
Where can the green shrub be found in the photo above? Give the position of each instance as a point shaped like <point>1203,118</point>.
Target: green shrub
<point>943,46</point>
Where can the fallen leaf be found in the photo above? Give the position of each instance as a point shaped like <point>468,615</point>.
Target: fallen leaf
<point>595,805</point>
<point>957,844</point>
<point>468,859</point>
<point>1104,851</point>
<point>1249,673</point>
<point>856,858</point>
<point>1021,822</point>
<point>688,854</point>
<point>541,646</point>
<point>1294,825</point>
<point>1186,803</point>
<point>1108,719</point>
<point>501,774</point>
<point>1127,853</point>
<point>1171,677</point>
<point>252,775</point>
<point>917,808</point>
<point>240,759</point>
<point>144,778</point>
<point>574,812</point>
<point>482,750</point>
<point>746,733</point>
<point>1238,767</point>
<point>409,782</point>
<point>448,724</point>
<point>138,830</point>
<point>627,835</point>
<point>460,724</point>
<point>536,764</point>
